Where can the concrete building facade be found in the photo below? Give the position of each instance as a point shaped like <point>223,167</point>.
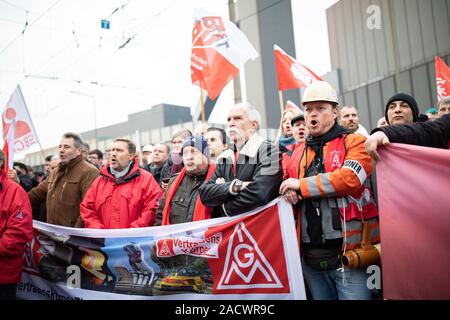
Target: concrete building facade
<point>265,23</point>
<point>382,47</point>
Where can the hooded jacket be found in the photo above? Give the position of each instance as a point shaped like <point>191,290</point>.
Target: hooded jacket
<point>127,202</point>
<point>64,190</point>
<point>16,229</point>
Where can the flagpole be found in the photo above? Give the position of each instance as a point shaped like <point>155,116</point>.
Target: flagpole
<point>42,150</point>
<point>280,95</point>
<point>202,105</point>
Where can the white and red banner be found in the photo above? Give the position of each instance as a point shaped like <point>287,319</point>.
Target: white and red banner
<point>254,255</point>
<point>442,78</point>
<point>291,73</point>
<point>413,184</point>
<point>219,51</point>
<point>22,134</point>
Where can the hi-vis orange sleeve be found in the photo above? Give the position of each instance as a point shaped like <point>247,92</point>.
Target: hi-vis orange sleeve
<point>346,180</point>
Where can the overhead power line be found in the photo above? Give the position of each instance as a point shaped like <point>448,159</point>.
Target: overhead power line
<point>28,26</point>
<point>259,11</point>
<point>13,5</point>
<point>147,24</point>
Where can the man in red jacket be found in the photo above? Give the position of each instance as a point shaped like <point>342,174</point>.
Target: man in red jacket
<point>16,229</point>
<point>124,195</point>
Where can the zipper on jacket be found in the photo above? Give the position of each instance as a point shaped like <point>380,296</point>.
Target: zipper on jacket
<point>62,191</point>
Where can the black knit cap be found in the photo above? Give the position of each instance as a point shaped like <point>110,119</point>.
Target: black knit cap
<point>408,99</point>
<point>199,142</point>
<point>298,117</point>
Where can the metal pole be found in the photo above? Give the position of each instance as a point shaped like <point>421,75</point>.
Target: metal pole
<point>280,96</point>
<point>394,47</point>
<point>95,122</point>
<point>202,105</point>
<point>237,80</point>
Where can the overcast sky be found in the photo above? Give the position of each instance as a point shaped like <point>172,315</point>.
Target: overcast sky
<point>65,63</point>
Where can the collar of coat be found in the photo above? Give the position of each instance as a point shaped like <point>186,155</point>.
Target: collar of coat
<point>250,148</point>
<point>72,163</point>
<point>134,172</point>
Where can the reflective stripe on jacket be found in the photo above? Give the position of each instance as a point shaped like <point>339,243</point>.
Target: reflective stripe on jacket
<point>343,186</point>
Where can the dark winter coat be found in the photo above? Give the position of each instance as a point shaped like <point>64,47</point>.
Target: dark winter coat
<point>428,134</point>
<point>258,162</point>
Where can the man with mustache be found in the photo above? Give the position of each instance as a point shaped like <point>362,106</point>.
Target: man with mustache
<point>329,187</point>
<point>248,175</point>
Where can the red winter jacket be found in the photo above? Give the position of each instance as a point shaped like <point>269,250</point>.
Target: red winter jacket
<point>16,229</point>
<point>292,163</point>
<point>127,202</point>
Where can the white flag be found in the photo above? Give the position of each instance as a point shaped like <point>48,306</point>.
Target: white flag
<point>219,52</point>
<point>16,110</point>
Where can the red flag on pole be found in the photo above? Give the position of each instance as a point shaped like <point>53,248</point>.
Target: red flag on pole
<point>442,78</point>
<point>219,51</point>
<point>23,133</point>
<point>414,210</point>
<point>291,73</point>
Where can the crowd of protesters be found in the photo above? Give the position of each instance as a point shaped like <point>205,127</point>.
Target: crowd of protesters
<point>321,156</point>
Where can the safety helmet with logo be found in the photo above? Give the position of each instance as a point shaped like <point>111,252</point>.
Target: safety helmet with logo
<point>320,91</point>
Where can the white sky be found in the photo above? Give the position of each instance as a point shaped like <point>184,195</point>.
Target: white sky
<point>63,50</point>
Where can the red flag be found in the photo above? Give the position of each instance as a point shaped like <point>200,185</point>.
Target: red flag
<point>23,132</point>
<point>414,210</point>
<point>291,73</point>
<point>442,78</point>
<point>219,51</point>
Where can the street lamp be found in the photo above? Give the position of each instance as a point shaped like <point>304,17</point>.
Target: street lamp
<point>94,109</point>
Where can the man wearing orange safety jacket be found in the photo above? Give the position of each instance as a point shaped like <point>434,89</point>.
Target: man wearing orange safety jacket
<point>331,190</point>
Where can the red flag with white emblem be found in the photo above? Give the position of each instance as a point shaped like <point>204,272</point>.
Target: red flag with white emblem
<point>442,78</point>
<point>291,73</point>
<point>219,51</point>
<point>23,134</point>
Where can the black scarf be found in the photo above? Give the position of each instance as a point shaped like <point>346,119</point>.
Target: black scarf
<point>317,143</point>
<point>335,131</point>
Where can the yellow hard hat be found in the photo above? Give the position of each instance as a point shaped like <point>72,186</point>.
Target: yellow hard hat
<point>320,91</point>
